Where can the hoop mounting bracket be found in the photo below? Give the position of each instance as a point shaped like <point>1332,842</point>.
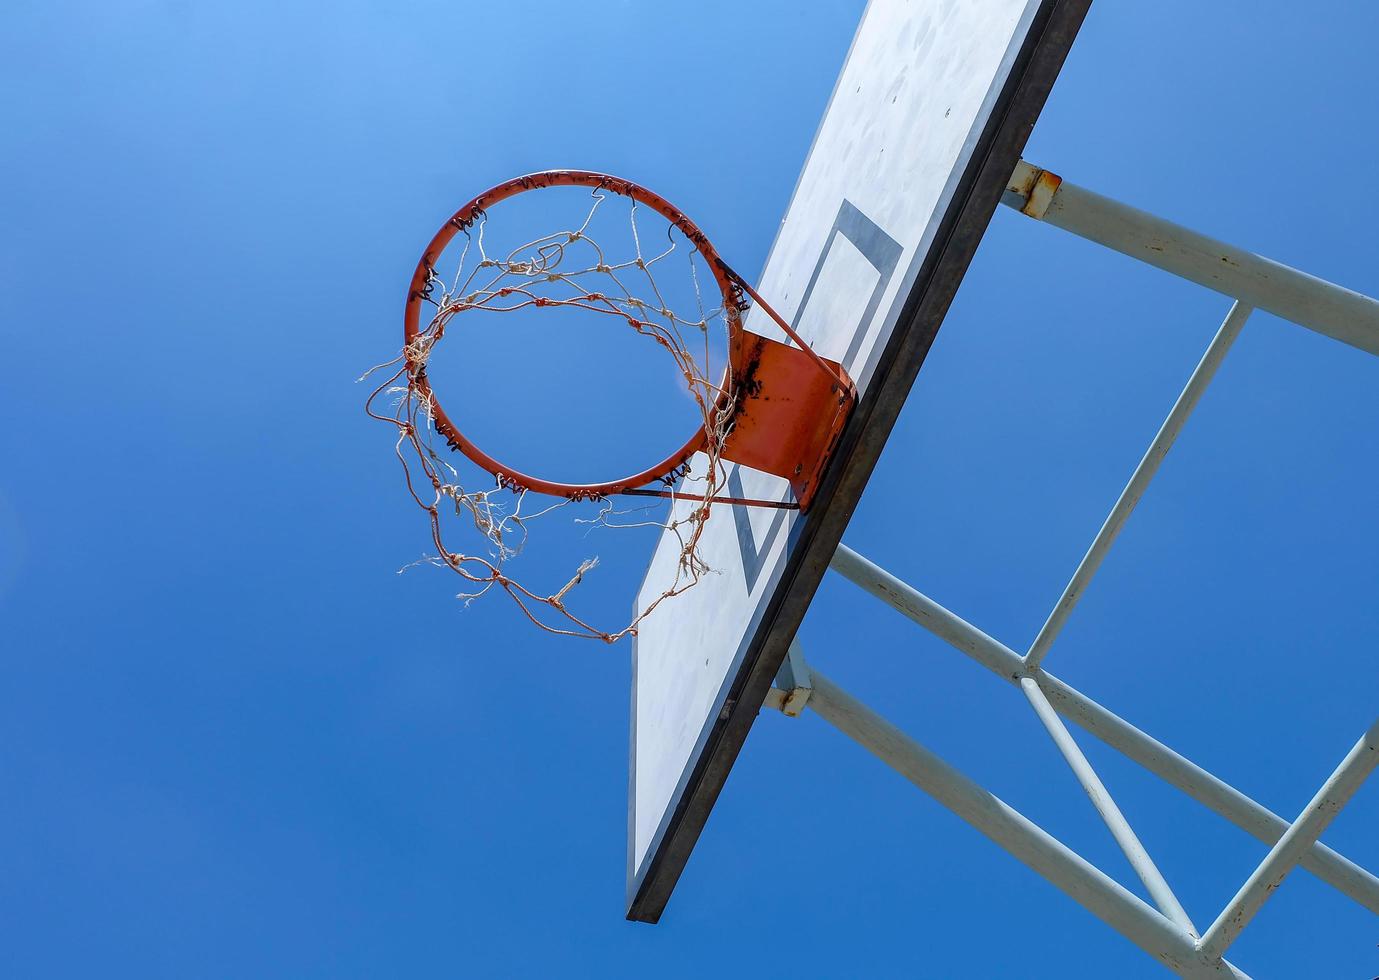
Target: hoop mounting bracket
<point>791,413</point>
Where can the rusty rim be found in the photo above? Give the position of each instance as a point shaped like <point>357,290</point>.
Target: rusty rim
<point>666,470</point>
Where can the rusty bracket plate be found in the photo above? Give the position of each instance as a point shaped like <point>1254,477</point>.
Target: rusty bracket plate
<point>791,414</point>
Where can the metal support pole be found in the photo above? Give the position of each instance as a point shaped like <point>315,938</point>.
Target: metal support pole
<point>1120,829</point>
<point>1294,843</point>
<point>1310,302</point>
<point>1239,809</point>
<point>1064,868</point>
<point>1139,480</point>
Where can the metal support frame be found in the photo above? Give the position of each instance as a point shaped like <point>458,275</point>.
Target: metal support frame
<point>1134,851</point>
<point>1256,820</point>
<point>1167,933</point>
<point>1139,481</point>
<point>1334,794</point>
<point>1314,303</point>
<point>1064,868</point>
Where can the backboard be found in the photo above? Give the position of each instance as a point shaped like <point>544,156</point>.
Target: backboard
<point>926,123</point>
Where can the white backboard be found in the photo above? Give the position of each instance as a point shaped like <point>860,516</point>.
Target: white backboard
<point>926,122</point>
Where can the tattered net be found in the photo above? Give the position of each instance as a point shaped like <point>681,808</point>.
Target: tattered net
<point>565,269</point>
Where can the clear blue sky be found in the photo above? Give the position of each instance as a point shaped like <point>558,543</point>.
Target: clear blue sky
<point>233,743</point>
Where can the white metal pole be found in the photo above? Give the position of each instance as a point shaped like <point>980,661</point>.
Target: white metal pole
<point>1262,283</point>
<point>1139,480</point>
<point>1256,820</point>
<point>1120,828</point>
<point>1064,868</point>
<point>1294,843</point>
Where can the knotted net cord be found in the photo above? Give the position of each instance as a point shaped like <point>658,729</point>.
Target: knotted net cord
<point>563,269</point>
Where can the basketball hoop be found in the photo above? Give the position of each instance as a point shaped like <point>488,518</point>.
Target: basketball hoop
<point>777,407</point>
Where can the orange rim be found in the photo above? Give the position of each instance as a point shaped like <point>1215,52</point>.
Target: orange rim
<point>666,470</point>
